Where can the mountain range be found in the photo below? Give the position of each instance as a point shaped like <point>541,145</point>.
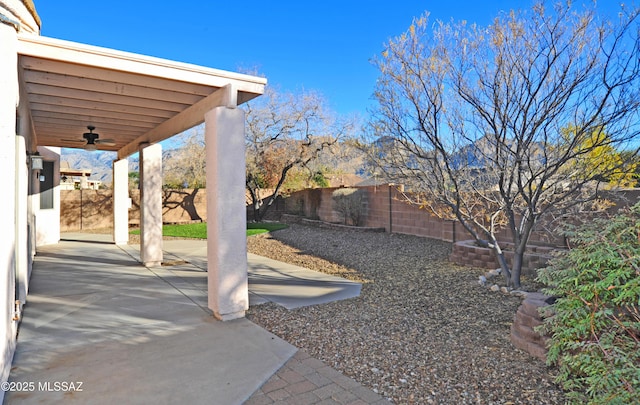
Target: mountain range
<point>100,162</point>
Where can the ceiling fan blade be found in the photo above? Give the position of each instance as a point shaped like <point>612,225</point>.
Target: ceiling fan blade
<point>106,142</point>
<point>73,140</point>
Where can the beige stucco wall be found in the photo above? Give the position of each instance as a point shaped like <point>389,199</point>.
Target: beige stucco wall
<point>8,101</point>
<point>15,249</point>
<point>15,16</point>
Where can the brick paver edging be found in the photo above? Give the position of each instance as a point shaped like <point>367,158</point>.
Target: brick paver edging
<point>304,380</point>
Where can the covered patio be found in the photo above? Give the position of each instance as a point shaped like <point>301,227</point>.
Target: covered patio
<point>134,102</point>
<point>96,311</point>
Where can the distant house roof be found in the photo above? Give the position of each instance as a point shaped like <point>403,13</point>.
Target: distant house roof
<point>371,182</point>
<point>65,170</point>
<point>347,180</point>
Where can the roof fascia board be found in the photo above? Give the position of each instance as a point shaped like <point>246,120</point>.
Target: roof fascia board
<point>82,54</point>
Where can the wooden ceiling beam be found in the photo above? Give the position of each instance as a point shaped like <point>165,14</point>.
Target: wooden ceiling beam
<point>30,63</point>
<point>77,128</point>
<point>44,90</point>
<point>94,120</point>
<point>105,87</point>
<point>53,108</point>
<point>131,98</point>
<point>64,102</point>
<point>188,118</point>
<point>88,55</point>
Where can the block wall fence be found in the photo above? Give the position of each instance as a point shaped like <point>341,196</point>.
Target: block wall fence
<point>93,209</point>
<point>385,207</point>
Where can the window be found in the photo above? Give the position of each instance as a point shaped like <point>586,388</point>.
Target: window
<point>46,186</point>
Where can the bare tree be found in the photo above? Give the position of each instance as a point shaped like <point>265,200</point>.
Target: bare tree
<point>185,167</point>
<point>492,125</point>
<point>341,158</point>
<point>285,131</point>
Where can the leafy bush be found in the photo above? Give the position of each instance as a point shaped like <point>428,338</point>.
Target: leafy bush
<point>349,202</point>
<point>595,332</point>
<point>319,180</point>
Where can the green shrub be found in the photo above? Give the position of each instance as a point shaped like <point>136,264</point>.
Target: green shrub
<point>595,332</point>
<point>319,180</point>
<point>349,202</point>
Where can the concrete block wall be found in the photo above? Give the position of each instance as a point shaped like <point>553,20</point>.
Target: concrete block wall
<point>527,318</point>
<point>85,209</point>
<point>92,209</point>
<point>385,207</point>
<point>466,253</point>
<point>325,209</point>
<point>316,204</point>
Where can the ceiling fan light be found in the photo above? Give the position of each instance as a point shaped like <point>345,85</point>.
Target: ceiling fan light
<point>91,138</point>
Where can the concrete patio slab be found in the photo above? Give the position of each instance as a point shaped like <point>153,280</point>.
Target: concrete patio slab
<point>294,287</point>
<point>269,280</point>
<point>100,328</point>
<point>96,317</point>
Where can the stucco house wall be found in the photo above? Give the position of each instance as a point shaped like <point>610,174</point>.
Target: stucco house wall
<point>16,221</point>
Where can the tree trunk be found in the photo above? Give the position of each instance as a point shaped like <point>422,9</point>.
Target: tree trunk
<point>276,191</point>
<point>504,266</point>
<point>516,267</point>
<point>255,202</point>
<point>190,206</point>
<point>260,213</point>
<point>256,211</point>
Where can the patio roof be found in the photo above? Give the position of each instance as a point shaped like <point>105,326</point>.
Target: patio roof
<point>130,98</point>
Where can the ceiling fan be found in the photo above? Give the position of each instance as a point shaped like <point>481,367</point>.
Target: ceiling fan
<point>93,139</point>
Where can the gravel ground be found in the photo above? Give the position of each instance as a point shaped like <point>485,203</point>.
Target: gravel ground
<point>423,331</point>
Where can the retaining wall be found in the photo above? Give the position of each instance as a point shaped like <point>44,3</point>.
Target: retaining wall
<point>526,319</point>
<point>466,253</point>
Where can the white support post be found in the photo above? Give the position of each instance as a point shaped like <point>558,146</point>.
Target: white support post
<point>151,204</point>
<point>226,213</point>
<point>22,190</point>
<point>121,201</point>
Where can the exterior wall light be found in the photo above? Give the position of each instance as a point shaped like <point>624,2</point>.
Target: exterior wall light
<point>36,162</point>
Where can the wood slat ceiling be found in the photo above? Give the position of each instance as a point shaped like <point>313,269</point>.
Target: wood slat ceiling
<point>124,96</point>
<point>64,102</point>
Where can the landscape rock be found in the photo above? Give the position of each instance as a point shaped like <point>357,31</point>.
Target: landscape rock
<point>494,273</point>
<point>417,315</point>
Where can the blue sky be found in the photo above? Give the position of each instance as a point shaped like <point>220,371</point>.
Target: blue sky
<point>320,45</point>
<point>315,45</point>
